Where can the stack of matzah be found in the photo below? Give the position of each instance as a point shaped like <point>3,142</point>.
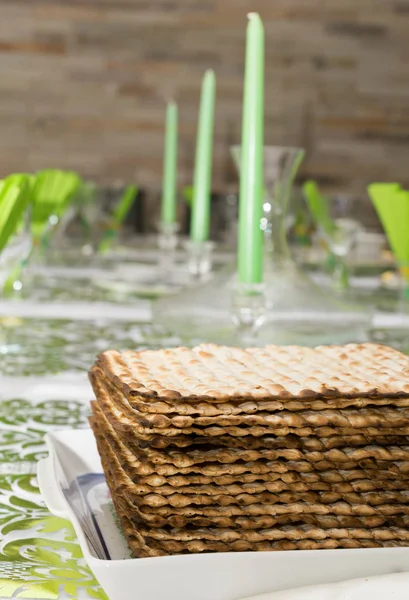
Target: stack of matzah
<point>224,449</point>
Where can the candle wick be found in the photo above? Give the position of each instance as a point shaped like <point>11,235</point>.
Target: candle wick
<point>251,15</point>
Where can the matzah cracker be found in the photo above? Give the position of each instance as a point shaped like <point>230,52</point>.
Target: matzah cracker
<point>251,407</point>
<point>226,495</point>
<point>266,521</point>
<point>286,532</point>
<point>220,373</point>
<point>142,547</point>
<point>237,406</point>
<point>132,465</point>
<point>268,468</point>
<point>197,546</point>
<point>161,442</point>
<point>340,509</point>
<point>147,461</point>
<point>242,425</point>
<point>260,522</point>
<point>125,423</point>
<point>214,517</point>
<point>338,481</point>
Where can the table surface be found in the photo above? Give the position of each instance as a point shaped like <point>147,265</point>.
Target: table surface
<point>48,340</point>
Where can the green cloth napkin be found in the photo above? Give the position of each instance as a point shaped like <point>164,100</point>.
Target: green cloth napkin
<point>124,205</point>
<point>40,556</point>
<point>53,190</point>
<point>392,205</point>
<point>319,207</point>
<point>14,198</point>
<point>119,214</point>
<point>187,195</point>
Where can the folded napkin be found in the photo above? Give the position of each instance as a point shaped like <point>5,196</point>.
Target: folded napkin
<point>384,587</point>
<point>119,215</point>
<point>14,198</point>
<point>392,205</point>
<point>319,207</point>
<point>187,195</point>
<point>53,190</point>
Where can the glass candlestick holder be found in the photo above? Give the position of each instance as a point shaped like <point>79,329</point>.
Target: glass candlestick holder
<point>167,241</point>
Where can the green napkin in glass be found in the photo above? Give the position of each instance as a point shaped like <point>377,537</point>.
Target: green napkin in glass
<point>53,190</point>
<point>187,195</point>
<point>319,207</point>
<point>392,205</point>
<point>119,214</point>
<point>14,198</point>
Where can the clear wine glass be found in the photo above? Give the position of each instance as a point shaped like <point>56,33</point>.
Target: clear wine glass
<point>341,238</point>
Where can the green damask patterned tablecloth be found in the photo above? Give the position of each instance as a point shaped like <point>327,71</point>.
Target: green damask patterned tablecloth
<point>39,554</point>
<point>47,357</point>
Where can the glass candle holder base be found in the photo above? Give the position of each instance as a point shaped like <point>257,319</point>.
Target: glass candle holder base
<point>168,241</point>
<point>199,259</point>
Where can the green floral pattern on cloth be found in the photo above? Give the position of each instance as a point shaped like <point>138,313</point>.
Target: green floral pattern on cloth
<point>39,554</point>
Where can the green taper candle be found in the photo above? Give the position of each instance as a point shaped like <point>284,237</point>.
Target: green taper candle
<point>250,247</point>
<point>169,184</point>
<point>199,226</point>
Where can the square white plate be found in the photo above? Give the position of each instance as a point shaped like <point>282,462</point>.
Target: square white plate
<point>73,487</point>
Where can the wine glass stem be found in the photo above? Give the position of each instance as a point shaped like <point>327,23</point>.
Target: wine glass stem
<point>279,242</point>
<point>340,273</point>
<point>403,302</point>
<point>248,310</point>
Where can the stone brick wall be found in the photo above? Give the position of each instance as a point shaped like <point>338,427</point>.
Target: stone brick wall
<point>84,83</point>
